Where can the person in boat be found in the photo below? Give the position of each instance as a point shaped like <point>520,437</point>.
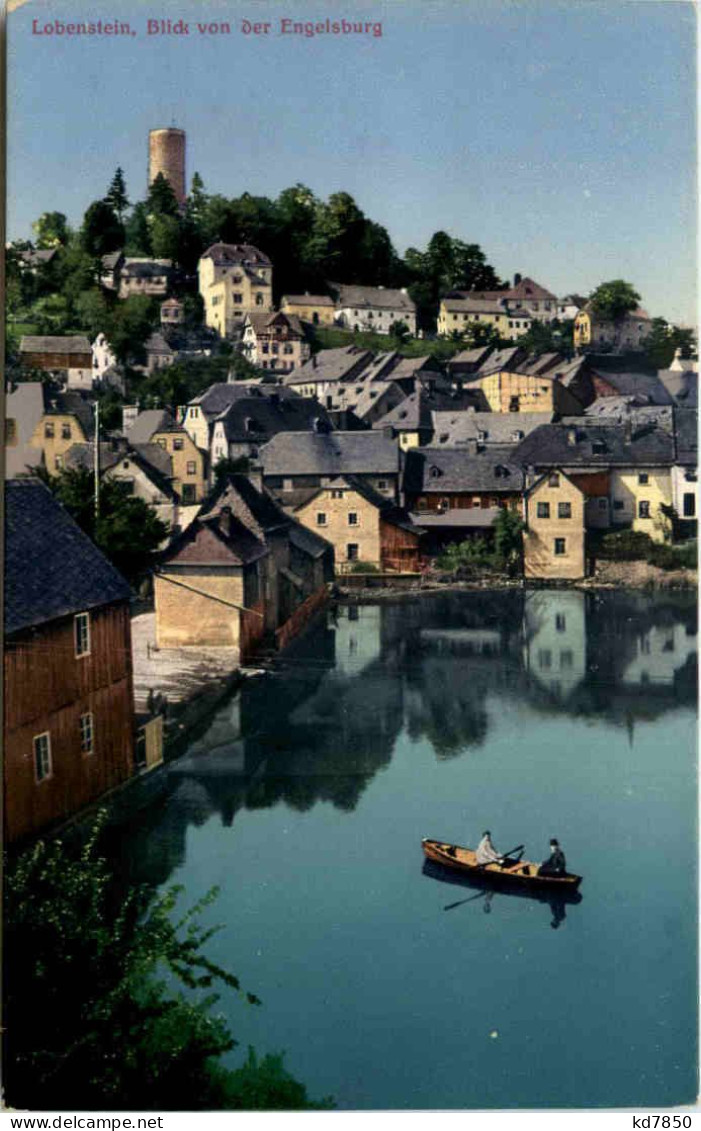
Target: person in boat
<point>486,852</point>
<point>555,865</point>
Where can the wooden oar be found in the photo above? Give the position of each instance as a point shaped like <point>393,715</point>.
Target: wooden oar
<point>450,906</point>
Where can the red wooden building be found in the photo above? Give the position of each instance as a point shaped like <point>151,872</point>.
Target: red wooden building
<point>68,699</point>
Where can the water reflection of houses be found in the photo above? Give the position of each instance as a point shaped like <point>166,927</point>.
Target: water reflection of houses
<point>327,721</point>
<point>555,640</point>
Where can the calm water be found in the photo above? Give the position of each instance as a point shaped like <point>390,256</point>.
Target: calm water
<point>532,714</point>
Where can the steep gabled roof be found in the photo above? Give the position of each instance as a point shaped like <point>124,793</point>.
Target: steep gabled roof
<point>150,421</point>
<point>686,423</point>
<point>254,508</point>
<point>331,365</point>
<point>287,322</point>
<point>307,300</point>
<point>389,511</point>
<point>456,429</point>
<point>236,254</point>
<point>71,403</point>
<point>219,540</point>
<point>52,569</point>
<point>257,419</point>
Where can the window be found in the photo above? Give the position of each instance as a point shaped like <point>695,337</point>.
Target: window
<point>564,510</point>
<point>566,659</point>
<point>643,478</point>
<point>352,518</point>
<point>48,431</point>
<point>514,404</point>
<point>128,486</point>
<point>381,484</point>
<point>553,481</point>
<point>643,509</point>
<point>58,462</point>
<point>618,504</point>
<point>603,504</point>
<point>259,300</point>
<point>238,299</point>
<point>352,551</point>
<point>543,510</point>
<point>65,431</point>
<point>191,467</point>
<point>321,518</point>
<point>42,756</point>
<point>81,630</point>
<point>275,347</point>
<point>288,348</point>
<point>10,430</point>
<point>86,733</point>
<point>690,476</point>
<point>689,505</point>
<point>545,658</point>
<point>336,494</point>
<point>178,444</point>
<point>161,443</point>
<point>560,547</point>
<point>265,348</point>
<point>189,493</point>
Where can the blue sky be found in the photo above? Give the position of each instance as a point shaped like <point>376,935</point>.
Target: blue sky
<point>559,136</point>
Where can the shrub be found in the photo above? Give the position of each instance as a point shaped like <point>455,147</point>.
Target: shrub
<point>626,546</point>
<point>363,567</point>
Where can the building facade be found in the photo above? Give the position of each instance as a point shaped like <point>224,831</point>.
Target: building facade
<point>234,280</point>
<point>553,541</point>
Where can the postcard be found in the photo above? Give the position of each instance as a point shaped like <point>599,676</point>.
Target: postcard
<point>350,557</point>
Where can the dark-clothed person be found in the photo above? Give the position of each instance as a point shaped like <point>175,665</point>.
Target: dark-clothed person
<point>555,865</point>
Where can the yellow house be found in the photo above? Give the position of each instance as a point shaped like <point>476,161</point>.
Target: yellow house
<point>157,426</point>
<point>67,420</point>
<point>626,333</point>
<point>511,391</point>
<point>459,314</point>
<point>362,526</point>
<point>234,280</point>
<point>638,496</point>
<point>318,309</point>
<point>553,541</point>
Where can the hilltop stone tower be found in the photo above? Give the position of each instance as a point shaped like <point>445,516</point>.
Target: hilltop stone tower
<point>166,155</point>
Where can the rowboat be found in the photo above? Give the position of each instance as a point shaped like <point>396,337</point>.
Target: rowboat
<point>523,875</point>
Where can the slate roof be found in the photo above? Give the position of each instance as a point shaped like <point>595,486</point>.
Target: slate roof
<point>151,458</point>
<point>270,322</point>
<point>37,257</point>
<point>686,436</point>
<point>150,421</point>
<point>450,470</point>
<point>214,541</point>
<point>308,541</point>
<point>47,343</point>
<point>156,344</point>
<point>330,365</point>
<point>71,403</point>
<point>645,385</point>
<point>146,268</point>
<point>501,359</point>
<point>471,359</point>
<point>682,386</point>
<point>453,429</point>
<point>416,411</point>
<point>256,419</point>
<point>236,254</point>
<point>220,396</point>
<point>475,305</point>
<point>52,569</point>
<point>333,453</point>
<point>350,294</point>
<point>596,445</point>
<point>255,509</point>
<point>528,290</point>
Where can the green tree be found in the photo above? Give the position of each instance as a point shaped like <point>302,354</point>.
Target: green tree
<point>91,960</point>
<point>446,265</point>
<point>131,324</point>
<point>165,237</point>
<point>399,331</point>
<point>116,196</point>
<point>138,232</point>
<point>550,337</point>
<point>102,231</point>
<point>51,230</point>
<point>480,334</point>
<point>615,299</point>
<point>127,530</point>
<point>161,200</point>
<point>508,538</point>
<point>76,272</point>
<point>93,312</point>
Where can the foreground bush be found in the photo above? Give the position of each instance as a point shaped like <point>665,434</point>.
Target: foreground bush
<point>91,1016</point>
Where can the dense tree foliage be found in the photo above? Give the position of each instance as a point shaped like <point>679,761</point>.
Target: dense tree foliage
<point>117,195</point>
<point>664,340</point>
<point>51,230</point>
<point>102,230</point>
<point>91,962</point>
<point>614,299</point>
<point>127,529</point>
<point>448,264</point>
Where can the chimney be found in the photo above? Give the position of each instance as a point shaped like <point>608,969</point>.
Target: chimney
<point>388,432</point>
<point>628,430</point>
<point>314,362</point>
<point>129,415</point>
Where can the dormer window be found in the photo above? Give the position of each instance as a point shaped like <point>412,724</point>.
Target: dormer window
<point>435,472</point>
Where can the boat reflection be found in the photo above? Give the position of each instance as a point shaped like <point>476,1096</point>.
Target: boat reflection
<point>556,900</point>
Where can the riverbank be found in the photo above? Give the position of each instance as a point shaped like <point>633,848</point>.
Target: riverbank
<point>608,575</point>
